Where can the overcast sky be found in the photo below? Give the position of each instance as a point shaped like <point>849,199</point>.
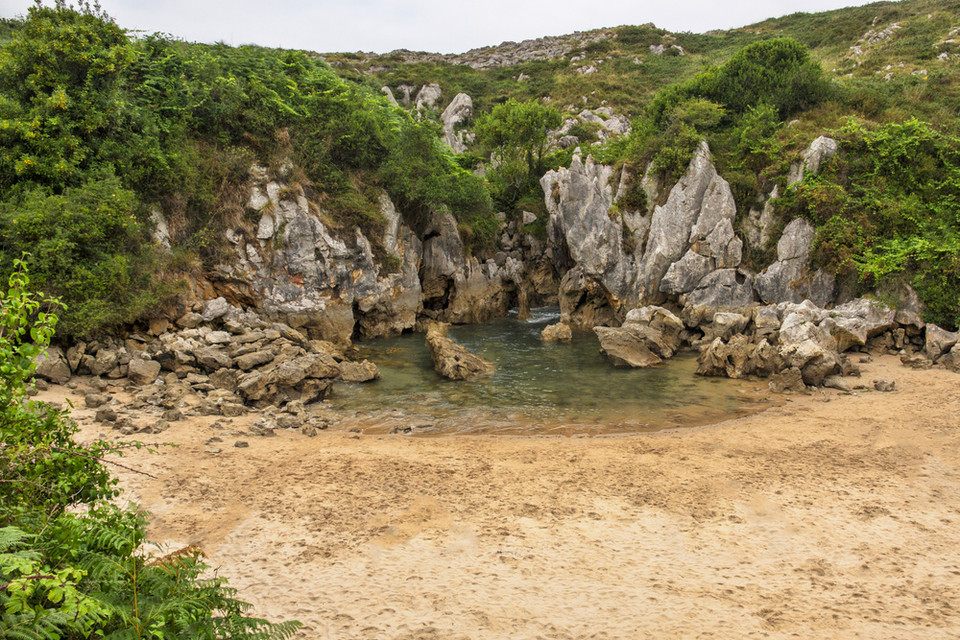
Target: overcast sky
<point>448,26</point>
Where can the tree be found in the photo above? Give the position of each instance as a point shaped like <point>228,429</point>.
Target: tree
<point>516,133</point>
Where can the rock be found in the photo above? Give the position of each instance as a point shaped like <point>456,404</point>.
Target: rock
<point>94,400</point>
<point>452,360</point>
<point>255,359</point>
<point>359,372</point>
<point>836,382</point>
<point>157,426</point>
<point>52,365</point>
<point>458,112</point>
<point>721,290</point>
<point>428,96</point>
<point>105,362</point>
<point>819,151</point>
<point>884,385</point>
<point>75,355</point>
<point>854,322</point>
<point>558,332</point>
<point>143,372</point>
<point>938,341</point>
<point>189,320</point>
<point>215,309</point>
<point>789,380</point>
<point>788,279</point>
<point>528,218</point>
<point>625,348</point>
<point>725,325</point>
<point>213,450</point>
<point>41,385</point>
<point>105,414</point>
<point>766,321</point>
<point>917,361</point>
<point>647,336</point>
<point>217,337</point>
<point>225,379</point>
<point>951,360</point>
<point>241,444</point>
<point>211,359</point>
<point>172,415</point>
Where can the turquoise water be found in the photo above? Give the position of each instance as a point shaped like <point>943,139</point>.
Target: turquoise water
<point>536,388</point>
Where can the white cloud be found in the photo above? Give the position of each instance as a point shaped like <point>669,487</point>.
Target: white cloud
<point>430,25</point>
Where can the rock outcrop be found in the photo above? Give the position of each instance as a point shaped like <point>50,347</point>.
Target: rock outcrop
<point>457,113</point>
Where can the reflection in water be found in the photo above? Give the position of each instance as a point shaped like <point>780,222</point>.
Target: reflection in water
<point>536,388</point>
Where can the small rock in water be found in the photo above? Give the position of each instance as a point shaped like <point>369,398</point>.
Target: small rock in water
<point>883,385</point>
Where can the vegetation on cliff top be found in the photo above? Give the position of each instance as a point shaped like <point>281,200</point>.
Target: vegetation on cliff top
<point>98,130</point>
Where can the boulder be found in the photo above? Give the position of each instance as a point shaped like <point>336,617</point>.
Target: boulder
<point>52,365</point>
<point>104,363</point>
<point>938,341</point>
<point>854,322</point>
<point>787,381</point>
<point>215,309</point>
<point>450,359</point>
<point>724,325</point>
<point>359,371</point>
<point>143,372</point>
<point>212,359</point>
<point>558,332</point>
<point>647,336</point>
<point>951,360</point>
<point>626,348</point>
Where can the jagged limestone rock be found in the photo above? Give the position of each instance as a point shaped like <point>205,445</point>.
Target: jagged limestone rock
<point>459,111</point>
<point>789,278</point>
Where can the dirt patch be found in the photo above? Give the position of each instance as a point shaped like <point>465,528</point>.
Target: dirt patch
<point>834,516</point>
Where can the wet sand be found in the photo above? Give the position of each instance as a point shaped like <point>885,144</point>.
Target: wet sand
<point>828,516</point>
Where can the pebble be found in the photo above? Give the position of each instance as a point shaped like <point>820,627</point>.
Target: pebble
<point>212,450</point>
<point>241,444</point>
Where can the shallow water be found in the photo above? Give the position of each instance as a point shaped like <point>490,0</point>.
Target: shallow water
<point>536,388</point>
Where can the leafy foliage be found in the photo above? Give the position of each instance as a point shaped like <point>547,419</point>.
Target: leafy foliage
<point>516,133</point>
<point>887,209</point>
<point>98,131</point>
<point>72,563</point>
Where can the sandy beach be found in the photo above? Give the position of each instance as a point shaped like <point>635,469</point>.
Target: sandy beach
<point>828,516</point>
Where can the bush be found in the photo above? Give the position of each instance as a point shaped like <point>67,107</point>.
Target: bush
<point>887,208</point>
<point>778,72</point>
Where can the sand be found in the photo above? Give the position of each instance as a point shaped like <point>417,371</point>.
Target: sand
<point>828,516</point>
